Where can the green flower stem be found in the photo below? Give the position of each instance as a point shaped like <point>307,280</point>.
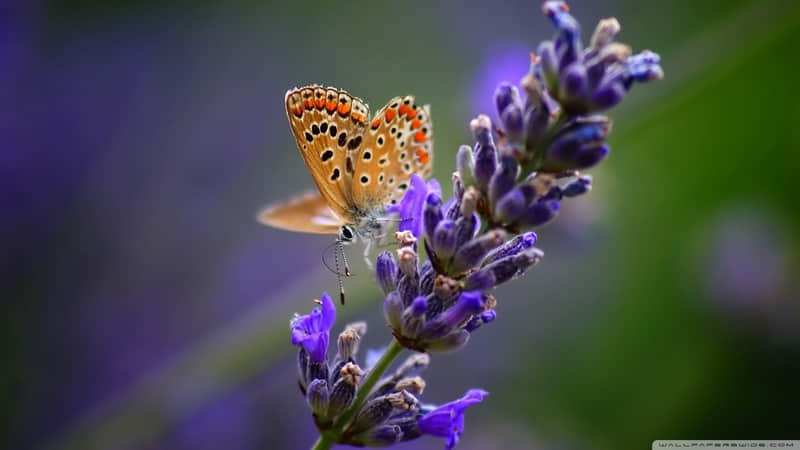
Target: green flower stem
<point>325,441</point>
<point>330,437</point>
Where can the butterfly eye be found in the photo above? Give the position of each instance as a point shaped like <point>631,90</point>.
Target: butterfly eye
<point>346,233</point>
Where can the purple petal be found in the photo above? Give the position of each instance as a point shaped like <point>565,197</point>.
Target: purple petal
<point>448,419</point>
<point>410,210</point>
<point>298,334</point>
<point>457,429</point>
<point>317,346</point>
<point>328,314</point>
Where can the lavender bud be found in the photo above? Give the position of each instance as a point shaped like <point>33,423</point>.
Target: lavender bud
<point>574,83</point>
<point>302,368</point>
<point>435,306</point>
<point>614,52</point>
<point>608,95</point>
<point>379,436</point>
<point>480,281</point>
<point>445,288</point>
<point>373,413</point>
<point>341,397</point>
<point>503,179</point>
<point>468,303</point>
<point>414,316</point>
<point>481,128</point>
<point>549,65</point>
<point>583,133</point>
<point>344,389</point>
<point>407,260</point>
<point>506,94</point>
<point>452,341</point>
<point>426,277</point>
<point>506,268</point>
<point>578,186</point>
<point>512,121</point>
<point>431,214</point>
<point>408,425</point>
<point>645,66</point>
<point>536,121</point>
<point>317,397</point>
<point>393,310</point>
<point>466,226</point>
<point>386,272</point>
<point>480,319</point>
<point>473,251</point>
<point>540,213</point>
<point>403,400</point>
<point>485,152</point>
<point>348,340</point>
<point>604,33</point>
<point>413,385</point>
<point>469,201</point>
<point>408,288</point>
<point>458,186</point>
<point>590,155</point>
<point>510,206</point>
<point>512,247</point>
<point>465,161</point>
<point>444,240</point>
<point>453,206</point>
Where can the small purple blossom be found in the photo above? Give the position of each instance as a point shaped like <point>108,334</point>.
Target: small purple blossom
<point>447,421</point>
<point>409,211</point>
<point>312,331</point>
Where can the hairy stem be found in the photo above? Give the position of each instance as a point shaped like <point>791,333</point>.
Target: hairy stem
<point>330,437</point>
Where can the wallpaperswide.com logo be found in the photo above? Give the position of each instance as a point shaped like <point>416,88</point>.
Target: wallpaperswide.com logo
<point>675,444</point>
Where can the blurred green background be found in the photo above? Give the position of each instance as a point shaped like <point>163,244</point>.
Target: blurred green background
<point>147,309</point>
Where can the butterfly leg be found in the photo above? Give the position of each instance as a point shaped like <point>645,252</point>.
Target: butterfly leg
<point>367,250</point>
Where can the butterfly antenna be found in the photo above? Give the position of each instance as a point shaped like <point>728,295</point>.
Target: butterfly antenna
<point>325,262</point>
<point>339,249</point>
<point>347,272</point>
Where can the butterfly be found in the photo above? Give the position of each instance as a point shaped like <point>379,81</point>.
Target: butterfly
<point>360,165</point>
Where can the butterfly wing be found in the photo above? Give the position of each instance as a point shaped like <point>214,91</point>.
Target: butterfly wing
<point>308,213</point>
<point>399,143</point>
<point>328,125</point>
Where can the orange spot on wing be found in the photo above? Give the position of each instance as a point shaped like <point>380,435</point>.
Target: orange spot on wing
<point>419,136</point>
<point>331,106</point>
<point>308,104</point>
<point>358,117</point>
<point>344,109</point>
<point>376,123</point>
<point>402,110</point>
<point>298,111</point>
<point>411,113</point>
<point>390,115</point>
<point>416,124</point>
<point>320,103</point>
<point>423,156</point>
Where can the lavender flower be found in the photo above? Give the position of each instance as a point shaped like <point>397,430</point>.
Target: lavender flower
<point>513,179</point>
<point>312,331</point>
<point>594,79</point>
<point>437,306</point>
<point>390,411</point>
<point>447,421</point>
